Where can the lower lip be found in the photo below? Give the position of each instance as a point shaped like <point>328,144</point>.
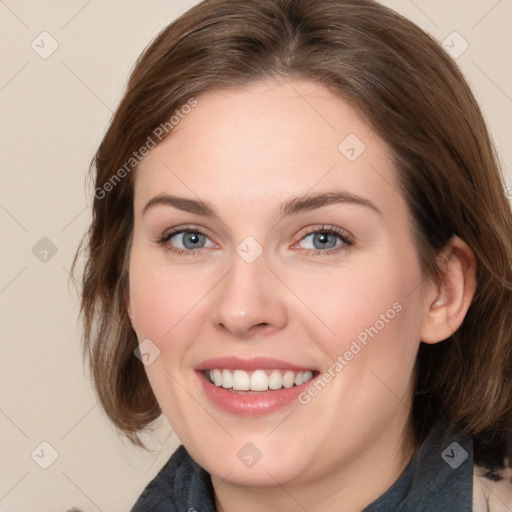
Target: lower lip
<point>246,403</point>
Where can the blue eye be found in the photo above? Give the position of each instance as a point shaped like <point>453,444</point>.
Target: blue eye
<point>323,240</point>
<point>183,241</point>
<point>189,239</point>
<point>326,240</point>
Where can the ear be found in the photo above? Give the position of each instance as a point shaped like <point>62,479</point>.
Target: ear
<point>448,301</point>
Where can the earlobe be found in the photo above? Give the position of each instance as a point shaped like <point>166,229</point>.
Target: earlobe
<point>450,298</point>
<point>130,315</point>
<point>129,310</point>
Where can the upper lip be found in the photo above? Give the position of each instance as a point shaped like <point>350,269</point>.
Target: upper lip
<point>250,364</point>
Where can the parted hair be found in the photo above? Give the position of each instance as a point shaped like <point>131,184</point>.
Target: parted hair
<point>401,81</point>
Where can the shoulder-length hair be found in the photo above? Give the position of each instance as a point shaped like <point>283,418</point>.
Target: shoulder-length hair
<point>410,91</point>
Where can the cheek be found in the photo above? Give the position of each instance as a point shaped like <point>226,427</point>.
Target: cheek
<point>165,302</point>
<point>362,303</point>
<point>370,357</point>
<point>373,316</point>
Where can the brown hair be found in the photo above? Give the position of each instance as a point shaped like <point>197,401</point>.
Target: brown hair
<point>414,96</point>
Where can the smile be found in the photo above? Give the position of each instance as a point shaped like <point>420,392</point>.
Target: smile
<point>253,387</point>
<point>258,380</point>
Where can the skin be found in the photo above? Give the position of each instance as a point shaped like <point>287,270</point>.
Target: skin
<point>247,151</point>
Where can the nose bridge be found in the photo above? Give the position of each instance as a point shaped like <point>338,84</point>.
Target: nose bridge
<point>248,296</point>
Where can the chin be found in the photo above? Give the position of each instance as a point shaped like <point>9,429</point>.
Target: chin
<point>253,461</point>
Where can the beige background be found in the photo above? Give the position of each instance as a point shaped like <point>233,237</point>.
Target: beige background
<point>53,113</point>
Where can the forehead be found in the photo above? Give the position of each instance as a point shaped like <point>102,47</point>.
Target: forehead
<point>269,139</point>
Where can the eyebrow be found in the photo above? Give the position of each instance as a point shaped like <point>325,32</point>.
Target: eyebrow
<point>293,206</point>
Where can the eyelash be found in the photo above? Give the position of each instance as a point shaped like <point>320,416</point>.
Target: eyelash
<point>342,235</point>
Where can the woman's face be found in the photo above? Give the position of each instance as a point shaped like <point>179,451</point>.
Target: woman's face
<point>272,246</point>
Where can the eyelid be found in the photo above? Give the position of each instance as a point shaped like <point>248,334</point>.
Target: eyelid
<point>346,238</point>
<point>163,239</point>
<point>344,235</point>
<point>186,228</point>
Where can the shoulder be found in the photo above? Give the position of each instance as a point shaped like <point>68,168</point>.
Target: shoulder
<point>180,485</point>
<point>492,472</point>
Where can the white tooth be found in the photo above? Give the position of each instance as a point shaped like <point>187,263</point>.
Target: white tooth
<point>217,377</point>
<point>275,380</point>
<point>210,374</point>
<point>241,380</point>
<point>307,376</point>
<point>299,379</point>
<point>259,381</point>
<point>227,379</point>
<point>288,379</point>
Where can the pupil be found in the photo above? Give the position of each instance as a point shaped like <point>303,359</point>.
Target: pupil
<point>324,239</point>
<point>192,238</point>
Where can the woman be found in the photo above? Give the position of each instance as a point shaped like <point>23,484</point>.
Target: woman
<point>301,255</point>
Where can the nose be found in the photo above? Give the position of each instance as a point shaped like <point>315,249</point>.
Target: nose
<point>249,300</point>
